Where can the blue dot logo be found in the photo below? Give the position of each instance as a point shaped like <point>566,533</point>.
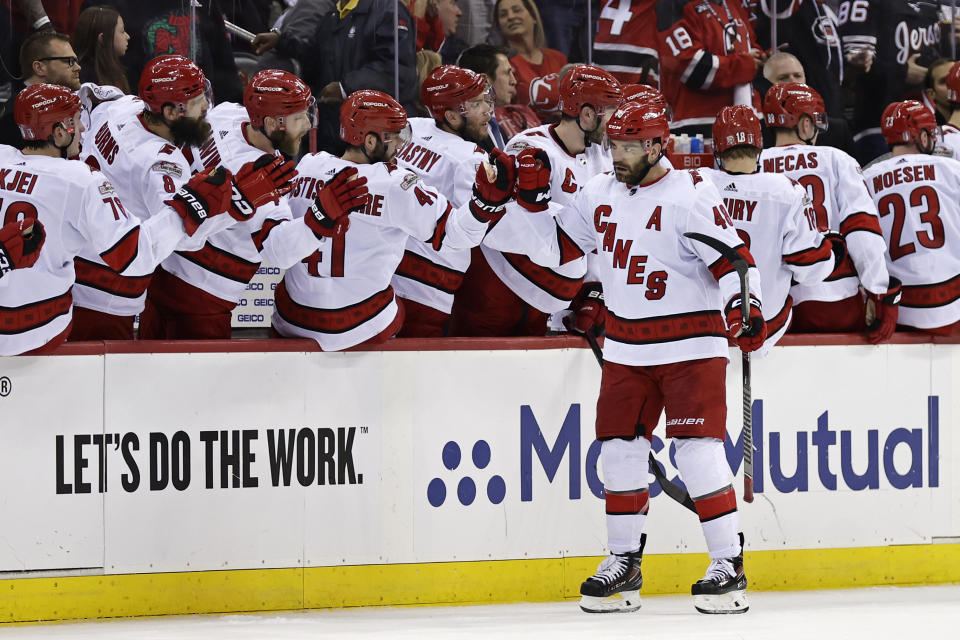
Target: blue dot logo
<point>451,457</point>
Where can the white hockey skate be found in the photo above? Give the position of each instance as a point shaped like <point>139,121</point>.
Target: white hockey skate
<point>724,588</point>
<point>615,587</point>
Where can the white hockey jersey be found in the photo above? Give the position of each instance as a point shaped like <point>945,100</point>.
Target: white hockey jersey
<point>549,289</point>
<point>664,292</point>
<point>225,264</point>
<point>448,163</point>
<point>145,170</point>
<point>918,197</point>
<point>80,211</point>
<point>773,217</point>
<point>951,140</point>
<point>840,201</point>
<point>340,295</point>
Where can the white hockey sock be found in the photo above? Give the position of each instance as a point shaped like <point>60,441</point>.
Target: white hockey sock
<point>703,467</point>
<point>624,464</point>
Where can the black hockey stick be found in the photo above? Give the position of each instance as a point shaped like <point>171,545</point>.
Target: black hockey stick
<point>674,491</point>
<point>741,267</point>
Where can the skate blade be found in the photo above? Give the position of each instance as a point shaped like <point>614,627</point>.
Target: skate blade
<point>622,602</point>
<point>733,602</point>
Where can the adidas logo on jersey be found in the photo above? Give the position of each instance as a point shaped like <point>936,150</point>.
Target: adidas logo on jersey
<point>223,134</point>
<point>731,187</point>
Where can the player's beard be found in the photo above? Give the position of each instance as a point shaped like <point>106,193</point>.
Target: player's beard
<point>287,144</point>
<point>633,173</point>
<point>379,153</point>
<point>475,131</point>
<point>191,131</point>
<point>596,136</point>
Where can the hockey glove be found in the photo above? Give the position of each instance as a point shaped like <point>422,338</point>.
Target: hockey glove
<point>589,311</point>
<point>19,250</point>
<point>748,337</point>
<point>533,179</point>
<point>206,194</point>
<point>490,194</point>
<point>882,312</point>
<point>267,178</point>
<point>342,194</point>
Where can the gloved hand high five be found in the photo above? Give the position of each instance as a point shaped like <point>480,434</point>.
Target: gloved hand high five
<point>491,193</point>
<point>19,251</point>
<point>533,179</point>
<point>749,337</point>
<point>267,178</point>
<point>205,195</point>
<point>343,193</point>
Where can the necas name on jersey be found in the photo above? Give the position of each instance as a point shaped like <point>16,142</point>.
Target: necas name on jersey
<point>902,175</point>
<point>782,164</point>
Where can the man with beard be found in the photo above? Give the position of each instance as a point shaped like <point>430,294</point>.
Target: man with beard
<point>672,302</point>
<point>507,294</point>
<point>139,152</point>
<point>340,296</point>
<point>193,294</point>
<point>444,151</point>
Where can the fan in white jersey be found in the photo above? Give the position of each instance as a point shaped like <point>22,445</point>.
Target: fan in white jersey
<point>444,152</point>
<point>672,304</point>
<point>507,293</point>
<point>918,197</point>
<point>193,293</point>
<point>341,296</point>
<point>772,216</point>
<point>139,152</point>
<point>79,210</point>
<point>840,201</point>
<point>951,128</point>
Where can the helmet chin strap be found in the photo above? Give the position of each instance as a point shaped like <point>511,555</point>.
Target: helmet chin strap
<point>586,134</point>
<point>650,166</point>
<point>796,130</point>
<point>63,150</point>
<point>371,159</point>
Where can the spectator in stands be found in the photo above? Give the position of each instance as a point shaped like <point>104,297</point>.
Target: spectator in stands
<point>508,119</point>
<point>427,61</point>
<point>626,41</point>
<point>565,26</point>
<point>520,24</point>
<point>292,35</point>
<point>475,23</point>
<point>437,22</point>
<point>935,89</point>
<point>101,41</point>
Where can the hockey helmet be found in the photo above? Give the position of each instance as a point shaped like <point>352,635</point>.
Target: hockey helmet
<point>633,121</point>
<point>41,107</point>
<point>367,111</point>
<point>646,94</point>
<point>586,84</point>
<point>953,83</point>
<point>276,94</point>
<point>736,126</point>
<point>171,79</point>
<point>449,87</point>
<point>786,102</point>
<point>902,123</point>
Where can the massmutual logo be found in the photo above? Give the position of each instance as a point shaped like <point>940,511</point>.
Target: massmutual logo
<point>825,456</point>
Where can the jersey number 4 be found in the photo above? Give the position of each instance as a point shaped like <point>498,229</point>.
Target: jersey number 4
<point>921,196</point>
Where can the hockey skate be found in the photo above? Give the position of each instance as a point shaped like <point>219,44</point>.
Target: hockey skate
<point>724,588</point>
<point>616,584</point>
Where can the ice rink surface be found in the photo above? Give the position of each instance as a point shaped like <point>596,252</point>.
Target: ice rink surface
<point>901,613</point>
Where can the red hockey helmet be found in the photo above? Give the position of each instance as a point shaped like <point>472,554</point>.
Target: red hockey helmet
<point>902,123</point>
<point>953,83</point>
<point>736,126</point>
<point>41,107</point>
<point>276,94</point>
<point>645,94</point>
<point>638,121</point>
<point>586,84</point>
<point>787,101</point>
<point>367,111</point>
<point>449,86</point>
<point>171,79</point>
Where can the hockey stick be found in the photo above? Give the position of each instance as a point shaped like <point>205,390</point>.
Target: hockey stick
<point>741,267</point>
<point>672,490</point>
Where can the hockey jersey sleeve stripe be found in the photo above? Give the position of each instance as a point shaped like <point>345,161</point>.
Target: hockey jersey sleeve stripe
<point>569,250</point>
<point>860,222</point>
<point>716,505</point>
<point>700,72</point>
<point>124,251</point>
<point>261,236</point>
<point>417,267</point>
<point>722,266</point>
<point>223,263</point>
<point>845,269</point>
<point>926,296</point>
<point>440,231</point>
<point>619,46</point>
<point>559,286</point>
<point>621,60</point>
<point>34,315</point>
<point>696,324</point>
<point>627,502</point>
<point>103,278</point>
<point>810,256</point>
<point>776,323</point>
<point>330,320</point>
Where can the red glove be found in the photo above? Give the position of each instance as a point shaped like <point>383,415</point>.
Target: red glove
<point>491,195</point>
<point>343,193</point>
<point>19,251</point>
<point>882,312</point>
<point>205,195</point>
<point>533,179</point>
<point>589,311</point>
<point>750,337</point>
<point>258,182</point>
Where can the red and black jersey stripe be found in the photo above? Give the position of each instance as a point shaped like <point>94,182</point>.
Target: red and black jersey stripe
<point>440,231</point>
<point>330,320</point>
<point>928,296</point>
<point>723,266</point>
<point>778,321</point>
<point>261,236</point>
<point>559,286</point>
<point>103,278</point>
<point>221,262</point>
<point>34,314</point>
<point>418,268</point>
<point>124,251</point>
<point>681,326</point>
<point>809,257</point>
<point>860,222</point>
